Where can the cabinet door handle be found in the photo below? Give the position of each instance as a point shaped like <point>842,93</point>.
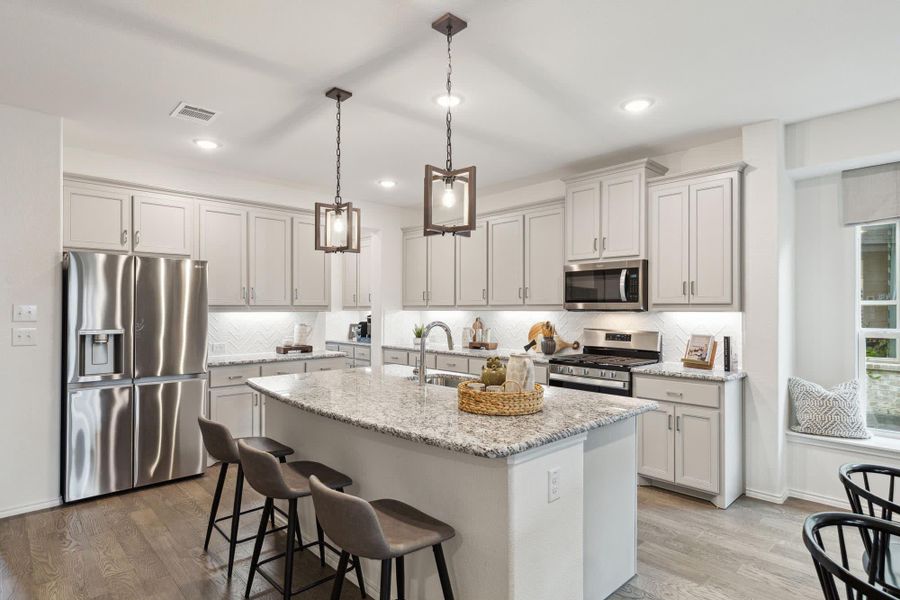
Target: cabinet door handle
<point>604,243</point>
<point>255,400</point>
<point>677,423</point>
<point>243,292</point>
<point>670,422</point>
<point>595,244</point>
<point>693,292</point>
<point>484,293</point>
<point>520,293</point>
<point>684,288</point>
<point>526,291</point>
<point>137,237</point>
<point>354,298</point>
<point>124,237</point>
<point>370,297</point>
<point>296,294</point>
<point>252,293</point>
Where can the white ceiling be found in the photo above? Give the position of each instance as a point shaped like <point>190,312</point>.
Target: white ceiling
<point>542,79</point>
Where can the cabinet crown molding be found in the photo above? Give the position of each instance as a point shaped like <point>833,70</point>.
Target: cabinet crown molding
<point>644,163</point>
<point>716,170</point>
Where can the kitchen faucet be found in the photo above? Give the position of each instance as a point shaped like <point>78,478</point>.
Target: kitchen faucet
<point>425,333</point>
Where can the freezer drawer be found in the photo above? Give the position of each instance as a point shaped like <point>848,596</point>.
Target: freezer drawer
<point>170,317</point>
<point>98,442</point>
<point>167,442</point>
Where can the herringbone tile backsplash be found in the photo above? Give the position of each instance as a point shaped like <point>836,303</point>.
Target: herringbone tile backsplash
<point>254,332</point>
<point>510,328</point>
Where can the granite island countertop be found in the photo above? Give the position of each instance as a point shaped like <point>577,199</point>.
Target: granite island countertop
<point>388,401</point>
<point>676,369</point>
<point>504,353</point>
<point>270,357</point>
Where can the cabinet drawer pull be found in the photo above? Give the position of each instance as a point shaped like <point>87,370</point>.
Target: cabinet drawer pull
<point>324,368</point>
<point>674,394</point>
<point>233,377</point>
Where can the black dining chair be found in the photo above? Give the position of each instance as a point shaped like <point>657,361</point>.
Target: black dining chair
<point>841,577</point>
<point>871,492</point>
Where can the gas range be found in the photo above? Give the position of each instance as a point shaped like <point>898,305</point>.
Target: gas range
<point>607,360</point>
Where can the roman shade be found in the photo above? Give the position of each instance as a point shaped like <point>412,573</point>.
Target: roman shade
<point>871,194</point>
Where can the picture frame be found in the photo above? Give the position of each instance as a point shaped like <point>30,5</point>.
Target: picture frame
<point>700,351</point>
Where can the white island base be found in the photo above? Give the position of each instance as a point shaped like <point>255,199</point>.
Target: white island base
<point>511,541</point>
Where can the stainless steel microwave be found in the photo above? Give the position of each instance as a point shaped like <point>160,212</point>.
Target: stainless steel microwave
<point>620,285</point>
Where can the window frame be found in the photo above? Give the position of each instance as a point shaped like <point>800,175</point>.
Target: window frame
<point>862,333</point>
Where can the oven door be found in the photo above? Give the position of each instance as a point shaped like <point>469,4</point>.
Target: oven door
<point>606,286</point>
<point>603,386</point>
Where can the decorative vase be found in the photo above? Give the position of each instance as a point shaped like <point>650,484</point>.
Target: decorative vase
<point>548,346</point>
<point>417,342</point>
<point>493,372</point>
<point>521,370</point>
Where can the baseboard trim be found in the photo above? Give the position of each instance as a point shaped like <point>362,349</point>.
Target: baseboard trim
<point>27,508</point>
<point>766,496</point>
<point>820,499</point>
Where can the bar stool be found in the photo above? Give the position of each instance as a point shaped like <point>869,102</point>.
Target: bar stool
<point>221,445</point>
<point>290,481</point>
<point>381,530</point>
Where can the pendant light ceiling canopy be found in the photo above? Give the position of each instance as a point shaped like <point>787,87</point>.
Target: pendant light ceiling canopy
<point>449,192</point>
<point>337,225</point>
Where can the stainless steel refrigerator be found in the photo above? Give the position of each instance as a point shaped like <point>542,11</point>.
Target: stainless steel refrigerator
<point>134,368</point>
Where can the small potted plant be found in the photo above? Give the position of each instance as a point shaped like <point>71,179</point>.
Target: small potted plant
<point>418,330</point>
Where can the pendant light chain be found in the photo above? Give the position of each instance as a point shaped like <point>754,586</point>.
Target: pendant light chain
<point>449,115</point>
<point>337,193</point>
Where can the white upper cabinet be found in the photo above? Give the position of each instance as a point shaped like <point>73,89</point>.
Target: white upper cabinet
<point>583,220</point>
<point>621,216</point>
<point>471,267</point>
<point>312,268</point>
<point>163,224</point>
<point>506,264</point>
<point>96,217</point>
<point>544,257</point>
<point>270,259</point>
<point>441,269</point>
<point>415,268</point>
<point>669,248</point>
<point>364,261</point>
<point>606,212</point>
<point>695,239</point>
<point>349,279</point>
<point>223,243</point>
<point>711,244</point>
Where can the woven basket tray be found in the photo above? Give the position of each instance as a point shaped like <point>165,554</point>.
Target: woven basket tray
<point>500,403</point>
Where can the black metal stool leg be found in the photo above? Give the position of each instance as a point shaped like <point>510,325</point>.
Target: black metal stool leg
<point>235,517</point>
<point>257,547</point>
<point>385,580</point>
<point>442,572</point>
<point>215,504</point>
<point>321,536</point>
<point>359,576</point>
<point>339,578</point>
<point>289,557</point>
<point>401,580</point>
<point>281,459</point>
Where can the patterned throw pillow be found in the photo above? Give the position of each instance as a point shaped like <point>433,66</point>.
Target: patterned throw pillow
<point>836,412</point>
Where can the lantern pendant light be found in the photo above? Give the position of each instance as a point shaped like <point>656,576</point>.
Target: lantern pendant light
<point>337,225</point>
<point>449,192</point>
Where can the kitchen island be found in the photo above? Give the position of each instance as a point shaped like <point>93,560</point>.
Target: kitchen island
<point>544,505</point>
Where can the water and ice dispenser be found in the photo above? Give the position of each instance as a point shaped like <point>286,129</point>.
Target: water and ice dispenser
<point>101,352</point>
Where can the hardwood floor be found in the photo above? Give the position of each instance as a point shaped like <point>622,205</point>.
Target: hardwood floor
<point>149,544</point>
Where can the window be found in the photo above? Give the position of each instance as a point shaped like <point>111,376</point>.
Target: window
<point>879,336</point>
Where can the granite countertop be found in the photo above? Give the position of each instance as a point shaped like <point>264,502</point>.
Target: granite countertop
<point>387,401</point>
<point>349,343</point>
<point>536,357</point>
<point>270,357</point>
<point>676,369</point>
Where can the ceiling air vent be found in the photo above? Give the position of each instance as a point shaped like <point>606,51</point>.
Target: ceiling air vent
<point>189,112</point>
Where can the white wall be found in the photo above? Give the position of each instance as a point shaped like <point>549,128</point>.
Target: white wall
<point>30,273</point>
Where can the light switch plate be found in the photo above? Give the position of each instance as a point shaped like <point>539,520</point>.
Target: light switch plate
<point>553,485</point>
<point>25,312</point>
<point>24,336</point>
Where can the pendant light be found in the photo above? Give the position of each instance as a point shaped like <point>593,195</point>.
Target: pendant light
<point>337,225</point>
<point>449,192</point>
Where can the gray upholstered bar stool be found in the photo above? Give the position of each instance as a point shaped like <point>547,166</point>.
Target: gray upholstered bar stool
<point>382,530</point>
<point>221,445</point>
<point>290,482</point>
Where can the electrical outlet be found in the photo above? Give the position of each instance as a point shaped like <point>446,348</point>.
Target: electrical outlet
<point>25,312</point>
<point>24,336</point>
<point>553,485</point>
<point>217,348</point>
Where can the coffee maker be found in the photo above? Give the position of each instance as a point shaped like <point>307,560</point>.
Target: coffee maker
<point>364,328</point>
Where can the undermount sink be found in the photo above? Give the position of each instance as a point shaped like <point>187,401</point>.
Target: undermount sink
<point>444,379</point>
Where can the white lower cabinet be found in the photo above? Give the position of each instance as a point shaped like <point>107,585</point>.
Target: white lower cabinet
<point>694,441</point>
<point>395,357</point>
<point>324,364</point>
<point>236,407</point>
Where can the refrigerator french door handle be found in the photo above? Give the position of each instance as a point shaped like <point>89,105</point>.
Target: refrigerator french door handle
<point>622,277</point>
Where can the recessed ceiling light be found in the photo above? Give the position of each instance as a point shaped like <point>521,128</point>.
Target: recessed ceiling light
<point>448,101</point>
<point>387,183</point>
<point>207,144</point>
<point>638,105</point>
